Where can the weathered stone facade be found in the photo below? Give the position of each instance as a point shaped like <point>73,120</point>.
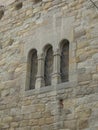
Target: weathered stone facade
<point>26,24</point>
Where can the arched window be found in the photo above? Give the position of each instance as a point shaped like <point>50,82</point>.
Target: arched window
<point>37,1</point>
<point>33,63</point>
<point>18,5</point>
<point>48,67</point>
<point>64,64</point>
<point>1,12</point>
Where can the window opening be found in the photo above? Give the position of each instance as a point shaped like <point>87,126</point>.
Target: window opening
<point>33,69</point>
<point>37,1</point>
<point>18,5</point>
<point>48,66</point>
<point>1,11</point>
<point>64,65</point>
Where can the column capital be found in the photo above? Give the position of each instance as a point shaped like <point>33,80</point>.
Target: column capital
<point>57,52</point>
<point>41,56</point>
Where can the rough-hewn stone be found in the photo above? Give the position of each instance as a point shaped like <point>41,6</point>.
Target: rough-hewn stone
<point>26,25</point>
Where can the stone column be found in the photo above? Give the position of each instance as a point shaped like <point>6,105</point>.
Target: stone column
<point>56,68</point>
<point>40,72</point>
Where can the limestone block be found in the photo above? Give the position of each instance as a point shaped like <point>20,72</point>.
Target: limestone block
<point>33,122</point>
<point>82,44</point>
<point>27,102</point>
<point>15,111</point>
<point>40,107</point>
<point>7,119</point>
<point>23,128</point>
<point>5,93</point>
<point>47,5</point>
<point>47,114</point>
<point>83,113</point>
<point>46,0</point>
<point>79,32</point>
<point>95,57</point>
<point>36,115</point>
<point>28,109</point>
<point>84,77</point>
<point>14,124</point>
<point>35,128</point>
<point>29,12</point>
<point>41,121</point>
<point>11,128</point>
<point>1,86</point>
<point>23,123</point>
<point>49,120</point>
<point>37,9</point>
<point>97,68</point>
<point>95,77</point>
<point>4,125</point>
<point>9,42</point>
<point>83,124</point>
<point>68,126</point>
<point>81,1</point>
<point>6,2</point>
<point>34,26</point>
<point>18,118</point>
<point>72,4</point>
<point>69,104</point>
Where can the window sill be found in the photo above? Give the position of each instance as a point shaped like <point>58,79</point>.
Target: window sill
<point>51,88</point>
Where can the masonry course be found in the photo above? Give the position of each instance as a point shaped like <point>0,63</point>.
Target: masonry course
<point>27,24</point>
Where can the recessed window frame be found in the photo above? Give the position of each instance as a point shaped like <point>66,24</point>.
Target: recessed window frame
<point>37,1</point>
<point>64,60</point>
<point>46,49</point>
<point>1,12</point>
<point>18,5</point>
<point>31,75</point>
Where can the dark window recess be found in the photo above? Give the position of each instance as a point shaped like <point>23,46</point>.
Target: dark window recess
<point>33,69</point>
<point>61,103</point>
<point>1,11</point>
<point>37,1</point>
<point>18,5</point>
<point>48,69</point>
<point>64,65</point>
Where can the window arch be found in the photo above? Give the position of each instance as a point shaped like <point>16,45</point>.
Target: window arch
<point>1,12</point>
<point>64,63</point>
<point>37,1</point>
<point>33,64</point>
<point>48,65</point>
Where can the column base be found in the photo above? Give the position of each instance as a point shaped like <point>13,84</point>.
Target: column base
<point>39,82</point>
<point>56,78</point>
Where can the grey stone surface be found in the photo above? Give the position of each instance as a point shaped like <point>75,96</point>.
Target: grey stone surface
<point>72,105</point>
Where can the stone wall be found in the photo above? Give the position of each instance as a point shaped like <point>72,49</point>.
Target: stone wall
<point>25,25</point>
